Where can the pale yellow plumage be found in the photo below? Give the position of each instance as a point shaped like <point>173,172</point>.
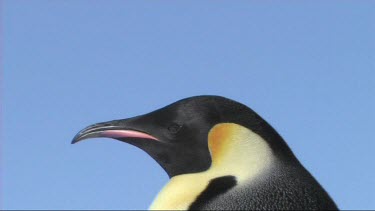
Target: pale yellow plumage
<point>235,150</point>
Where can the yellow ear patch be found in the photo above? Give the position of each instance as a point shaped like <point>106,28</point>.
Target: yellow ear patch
<point>219,140</point>
<point>235,150</point>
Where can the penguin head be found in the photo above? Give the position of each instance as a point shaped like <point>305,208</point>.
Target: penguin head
<point>176,136</point>
<point>212,147</point>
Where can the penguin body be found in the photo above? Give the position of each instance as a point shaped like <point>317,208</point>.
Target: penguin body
<point>220,155</point>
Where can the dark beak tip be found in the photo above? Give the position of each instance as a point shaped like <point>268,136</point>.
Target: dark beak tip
<point>77,138</point>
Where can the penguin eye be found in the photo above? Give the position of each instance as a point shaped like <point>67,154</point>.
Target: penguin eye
<point>174,128</point>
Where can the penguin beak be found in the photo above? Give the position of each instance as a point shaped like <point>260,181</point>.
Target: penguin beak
<point>113,129</point>
<point>150,133</point>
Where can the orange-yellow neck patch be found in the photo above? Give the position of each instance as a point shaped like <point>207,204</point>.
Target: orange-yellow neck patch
<point>219,140</point>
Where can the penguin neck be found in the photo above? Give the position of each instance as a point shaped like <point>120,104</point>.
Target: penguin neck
<point>235,151</point>
<point>238,151</point>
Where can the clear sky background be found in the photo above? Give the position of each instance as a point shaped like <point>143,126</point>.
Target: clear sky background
<point>307,67</point>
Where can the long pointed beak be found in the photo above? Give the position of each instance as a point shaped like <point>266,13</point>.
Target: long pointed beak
<point>109,130</point>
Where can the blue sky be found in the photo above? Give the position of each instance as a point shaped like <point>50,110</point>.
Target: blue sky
<point>307,67</point>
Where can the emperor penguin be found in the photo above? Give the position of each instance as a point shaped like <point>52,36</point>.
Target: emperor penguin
<point>219,155</point>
